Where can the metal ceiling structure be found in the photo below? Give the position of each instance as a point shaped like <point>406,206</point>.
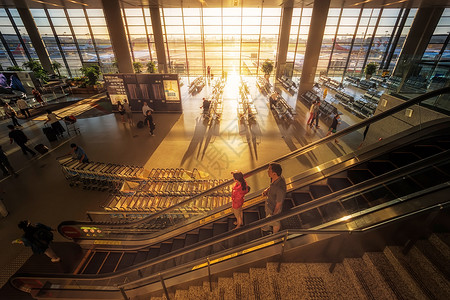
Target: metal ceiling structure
<point>229,3</point>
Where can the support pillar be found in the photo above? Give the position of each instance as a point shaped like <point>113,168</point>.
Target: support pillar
<point>313,45</point>
<point>116,29</point>
<point>284,37</point>
<point>159,40</point>
<point>422,28</point>
<point>34,35</point>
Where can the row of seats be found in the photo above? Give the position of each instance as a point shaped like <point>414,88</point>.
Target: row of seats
<point>327,110</point>
<point>263,85</point>
<point>197,85</point>
<point>287,83</point>
<point>246,107</point>
<point>283,109</point>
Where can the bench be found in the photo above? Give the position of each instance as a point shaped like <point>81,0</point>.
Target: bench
<point>263,85</point>
<point>287,83</point>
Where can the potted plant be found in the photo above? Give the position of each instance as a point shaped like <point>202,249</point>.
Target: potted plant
<point>267,67</point>
<point>370,69</point>
<point>137,65</point>
<point>14,68</point>
<point>56,66</point>
<point>36,67</point>
<point>89,82</point>
<point>151,67</point>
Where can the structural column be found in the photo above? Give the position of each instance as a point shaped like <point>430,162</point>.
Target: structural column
<point>422,28</point>
<point>116,29</point>
<point>284,37</point>
<point>159,40</point>
<point>314,44</point>
<point>34,35</point>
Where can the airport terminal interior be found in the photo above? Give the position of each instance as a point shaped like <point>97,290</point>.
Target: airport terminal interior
<point>349,97</point>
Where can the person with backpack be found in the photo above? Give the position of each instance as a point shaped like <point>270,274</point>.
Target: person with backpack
<point>20,138</point>
<point>38,237</point>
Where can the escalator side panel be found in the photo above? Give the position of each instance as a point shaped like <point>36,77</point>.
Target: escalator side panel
<point>111,263</point>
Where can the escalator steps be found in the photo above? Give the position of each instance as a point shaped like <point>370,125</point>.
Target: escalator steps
<point>425,151</point>
<point>311,218</point>
<point>301,197</point>
<point>204,234</point>
<point>165,248</point>
<point>250,217</point>
<point>358,175</point>
<point>404,187</point>
<point>378,195</point>
<point>152,253</point>
<point>190,239</point>
<point>380,167</point>
<point>111,263</point>
<point>332,211</point>
<point>318,191</point>
<point>177,244</point>
<point>219,228</point>
<point>127,260</point>
<point>337,184</point>
<point>401,159</point>
<point>95,263</point>
<point>355,203</point>
<point>430,177</point>
<point>140,257</point>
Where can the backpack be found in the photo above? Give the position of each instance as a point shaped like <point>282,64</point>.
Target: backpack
<point>42,237</point>
<point>140,124</point>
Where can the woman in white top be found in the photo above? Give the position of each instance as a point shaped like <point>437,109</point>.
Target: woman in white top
<point>54,122</point>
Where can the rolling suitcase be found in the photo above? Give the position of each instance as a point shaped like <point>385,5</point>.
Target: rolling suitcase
<point>49,133</point>
<point>41,148</point>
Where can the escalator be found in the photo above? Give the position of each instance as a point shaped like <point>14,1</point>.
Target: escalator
<point>399,170</point>
<point>101,261</point>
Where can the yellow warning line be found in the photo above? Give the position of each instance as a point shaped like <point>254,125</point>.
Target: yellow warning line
<point>235,254</point>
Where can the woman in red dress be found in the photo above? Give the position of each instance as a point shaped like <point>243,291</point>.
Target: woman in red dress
<point>240,188</point>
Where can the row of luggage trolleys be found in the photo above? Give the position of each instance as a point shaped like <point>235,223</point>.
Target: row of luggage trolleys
<point>139,206</point>
<point>182,188</point>
<point>98,175</point>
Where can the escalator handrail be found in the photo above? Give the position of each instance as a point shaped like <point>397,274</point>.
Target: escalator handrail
<point>302,150</point>
<point>278,236</point>
<point>358,188</point>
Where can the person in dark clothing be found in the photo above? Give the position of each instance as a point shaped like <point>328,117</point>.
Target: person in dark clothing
<point>206,105</point>
<point>20,138</point>
<point>5,166</point>
<point>333,127</point>
<point>79,153</point>
<point>38,237</point>
<point>149,122</point>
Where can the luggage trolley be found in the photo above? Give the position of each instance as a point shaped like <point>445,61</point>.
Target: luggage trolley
<point>70,122</point>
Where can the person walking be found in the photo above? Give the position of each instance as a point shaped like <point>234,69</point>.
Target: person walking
<point>54,123</point>
<point>149,122</point>
<point>275,193</point>
<point>20,138</point>
<point>121,110</point>
<point>128,112</point>
<point>79,153</point>
<point>10,112</point>
<point>145,108</point>
<point>5,166</point>
<point>314,114</point>
<point>38,237</point>
<point>38,97</point>
<point>238,192</point>
<point>23,106</point>
<point>333,127</point>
